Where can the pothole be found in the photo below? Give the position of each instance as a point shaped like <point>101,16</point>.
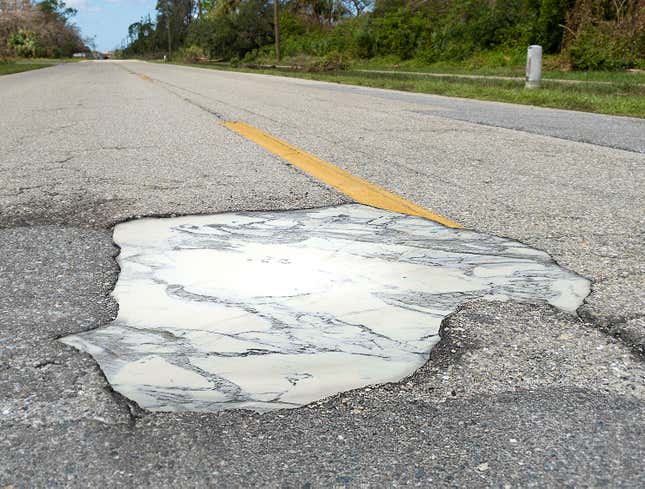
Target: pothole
<point>270,310</point>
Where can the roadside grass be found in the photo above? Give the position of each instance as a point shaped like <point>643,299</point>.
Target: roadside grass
<point>10,68</point>
<point>489,63</point>
<point>635,77</point>
<point>513,68</point>
<point>49,61</point>
<point>614,96</point>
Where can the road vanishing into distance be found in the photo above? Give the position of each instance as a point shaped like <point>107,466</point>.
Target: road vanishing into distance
<point>515,394</point>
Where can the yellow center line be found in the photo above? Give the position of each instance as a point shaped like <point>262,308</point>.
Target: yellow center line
<point>144,77</point>
<point>355,187</point>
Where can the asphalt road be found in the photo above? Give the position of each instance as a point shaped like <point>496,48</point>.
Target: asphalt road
<point>515,395</point>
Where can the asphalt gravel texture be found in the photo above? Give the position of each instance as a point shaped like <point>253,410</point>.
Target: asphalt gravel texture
<point>515,395</point>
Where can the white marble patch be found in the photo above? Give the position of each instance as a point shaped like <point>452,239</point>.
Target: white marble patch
<point>269,310</point>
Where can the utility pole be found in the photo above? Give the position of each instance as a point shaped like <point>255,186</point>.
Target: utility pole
<point>169,38</point>
<point>166,10</point>
<point>276,29</point>
<point>168,27</point>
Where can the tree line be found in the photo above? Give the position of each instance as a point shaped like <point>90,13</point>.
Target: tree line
<point>586,34</point>
<point>38,29</point>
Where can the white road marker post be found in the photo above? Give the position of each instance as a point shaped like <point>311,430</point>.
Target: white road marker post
<point>533,66</point>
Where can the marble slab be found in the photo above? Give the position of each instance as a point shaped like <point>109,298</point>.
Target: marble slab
<point>270,310</point>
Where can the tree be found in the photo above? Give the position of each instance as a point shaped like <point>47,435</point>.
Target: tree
<point>276,29</point>
<point>13,5</point>
<point>57,8</point>
<point>38,29</point>
<point>552,15</point>
<point>357,7</point>
<point>142,37</point>
<point>321,13</point>
<point>174,17</point>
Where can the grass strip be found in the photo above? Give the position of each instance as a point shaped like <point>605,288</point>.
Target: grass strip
<point>10,68</point>
<point>621,97</point>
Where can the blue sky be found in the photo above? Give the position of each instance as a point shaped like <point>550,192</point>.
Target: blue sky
<point>108,20</point>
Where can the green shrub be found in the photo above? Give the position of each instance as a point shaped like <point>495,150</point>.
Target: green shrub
<point>605,36</point>
<point>250,57</point>
<point>191,54</point>
<point>397,33</point>
<point>549,25</point>
<point>232,35</point>
<point>24,43</point>
<point>494,58</point>
<point>364,44</point>
<point>334,61</point>
<point>594,49</point>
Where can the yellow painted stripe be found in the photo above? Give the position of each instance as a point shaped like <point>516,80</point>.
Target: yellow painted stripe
<point>358,189</point>
<point>145,77</point>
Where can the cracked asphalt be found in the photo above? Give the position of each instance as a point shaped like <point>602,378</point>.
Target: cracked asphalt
<point>515,395</point>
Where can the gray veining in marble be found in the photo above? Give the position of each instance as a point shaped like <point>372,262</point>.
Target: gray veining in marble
<point>269,310</point>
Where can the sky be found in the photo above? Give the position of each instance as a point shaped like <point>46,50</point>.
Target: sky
<point>108,20</point>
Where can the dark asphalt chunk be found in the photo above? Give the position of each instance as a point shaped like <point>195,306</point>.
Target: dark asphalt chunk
<point>53,280</point>
<point>545,438</point>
